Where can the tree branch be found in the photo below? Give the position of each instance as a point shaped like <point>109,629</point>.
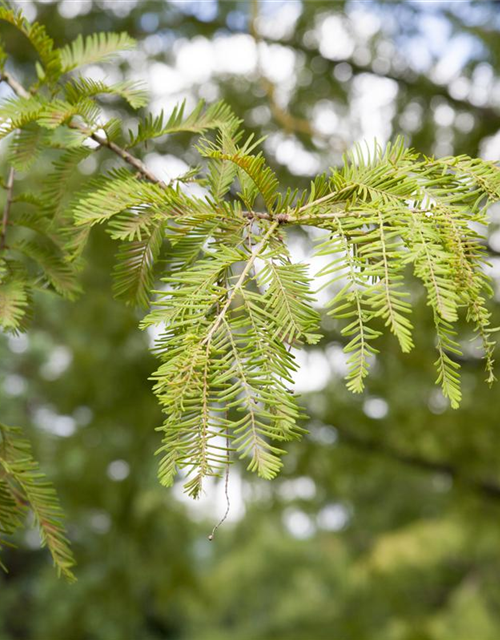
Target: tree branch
<point>427,86</point>
<point>288,122</point>
<point>290,217</point>
<point>485,488</point>
<point>408,80</point>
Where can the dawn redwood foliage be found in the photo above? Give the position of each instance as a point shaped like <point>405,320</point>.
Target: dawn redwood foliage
<point>211,265</point>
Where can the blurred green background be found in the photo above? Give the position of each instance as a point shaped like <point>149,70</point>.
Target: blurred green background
<point>385,524</point>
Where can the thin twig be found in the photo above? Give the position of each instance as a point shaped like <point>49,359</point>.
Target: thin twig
<point>226,492</point>
<point>16,86</point>
<point>291,217</point>
<point>125,155</point>
<point>6,210</point>
<point>224,280</point>
<point>254,255</point>
<point>101,140</point>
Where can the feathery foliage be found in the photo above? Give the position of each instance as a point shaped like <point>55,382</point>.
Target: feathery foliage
<point>214,270</point>
<point>50,67</point>
<point>198,121</point>
<point>98,47</point>
<point>23,489</point>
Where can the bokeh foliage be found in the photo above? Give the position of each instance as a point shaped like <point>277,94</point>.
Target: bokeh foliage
<point>384,523</point>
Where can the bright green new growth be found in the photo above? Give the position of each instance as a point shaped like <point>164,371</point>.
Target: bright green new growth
<point>230,302</point>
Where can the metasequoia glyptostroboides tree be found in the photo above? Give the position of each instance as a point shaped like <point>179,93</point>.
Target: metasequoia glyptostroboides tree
<point>232,303</point>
